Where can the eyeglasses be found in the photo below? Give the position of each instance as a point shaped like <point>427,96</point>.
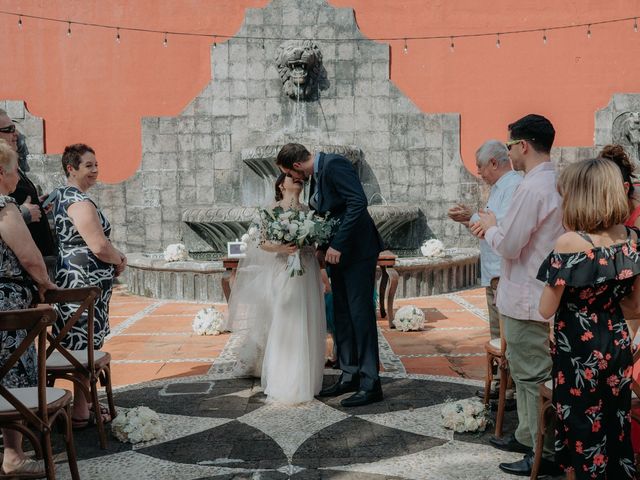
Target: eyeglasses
<point>8,129</point>
<point>511,143</point>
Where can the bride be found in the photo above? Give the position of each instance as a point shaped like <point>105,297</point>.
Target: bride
<point>278,321</point>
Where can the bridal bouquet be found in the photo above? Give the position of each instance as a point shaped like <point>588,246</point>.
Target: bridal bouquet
<point>468,415</point>
<point>140,424</point>
<point>292,226</point>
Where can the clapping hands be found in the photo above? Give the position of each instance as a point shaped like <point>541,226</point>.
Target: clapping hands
<point>487,220</point>
<point>460,213</point>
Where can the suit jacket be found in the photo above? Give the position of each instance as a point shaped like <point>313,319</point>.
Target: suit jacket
<point>40,231</point>
<point>341,196</point>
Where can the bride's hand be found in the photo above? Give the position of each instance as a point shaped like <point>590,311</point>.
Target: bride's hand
<point>289,249</point>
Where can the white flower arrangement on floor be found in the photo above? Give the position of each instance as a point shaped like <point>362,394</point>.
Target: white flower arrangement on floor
<point>140,424</point>
<point>176,252</point>
<point>468,415</point>
<point>408,318</point>
<point>208,321</point>
<point>432,248</point>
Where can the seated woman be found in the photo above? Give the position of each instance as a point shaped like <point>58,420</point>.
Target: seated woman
<point>594,268</point>
<point>86,258</point>
<point>22,271</point>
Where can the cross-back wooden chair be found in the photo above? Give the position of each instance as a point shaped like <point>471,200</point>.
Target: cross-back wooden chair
<point>34,410</point>
<point>496,358</point>
<point>74,365</point>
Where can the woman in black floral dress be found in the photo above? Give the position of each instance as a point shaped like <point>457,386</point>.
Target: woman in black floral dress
<point>86,257</point>
<point>21,270</point>
<point>592,269</point>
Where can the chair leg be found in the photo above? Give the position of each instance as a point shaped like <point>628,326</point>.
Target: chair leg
<point>49,466</point>
<point>93,385</point>
<point>70,447</point>
<point>537,459</point>
<point>488,379</point>
<point>504,373</point>
<point>106,379</point>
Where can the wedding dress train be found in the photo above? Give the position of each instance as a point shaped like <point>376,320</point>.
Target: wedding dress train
<point>279,324</point>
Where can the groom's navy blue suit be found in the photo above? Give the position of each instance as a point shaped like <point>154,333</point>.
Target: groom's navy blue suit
<point>338,193</point>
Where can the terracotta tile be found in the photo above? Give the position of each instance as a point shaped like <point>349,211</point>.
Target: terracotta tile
<point>429,366</point>
<point>127,309</point>
<point>128,373</point>
<point>155,323</point>
<point>181,309</point>
<point>437,341</point>
<point>182,369</point>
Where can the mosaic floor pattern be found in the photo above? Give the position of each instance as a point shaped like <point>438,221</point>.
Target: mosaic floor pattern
<point>222,428</point>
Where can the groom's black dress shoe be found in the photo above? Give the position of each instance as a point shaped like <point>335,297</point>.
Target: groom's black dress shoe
<point>509,444</point>
<point>339,388</point>
<point>523,467</point>
<point>363,397</point>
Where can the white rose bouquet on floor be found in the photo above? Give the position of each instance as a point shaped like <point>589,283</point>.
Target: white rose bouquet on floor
<point>140,424</point>
<point>291,227</point>
<point>468,415</point>
<point>408,318</point>
<point>208,321</point>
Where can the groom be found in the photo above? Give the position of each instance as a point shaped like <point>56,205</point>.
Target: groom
<point>353,251</point>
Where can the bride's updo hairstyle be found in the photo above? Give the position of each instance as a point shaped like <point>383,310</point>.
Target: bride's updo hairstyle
<point>279,182</point>
<point>617,155</point>
<point>593,196</point>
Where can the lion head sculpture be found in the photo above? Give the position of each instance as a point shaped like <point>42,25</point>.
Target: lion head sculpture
<point>300,67</point>
<point>626,131</point>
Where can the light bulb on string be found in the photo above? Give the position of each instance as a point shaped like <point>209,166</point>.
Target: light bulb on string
<point>544,37</point>
<point>165,42</point>
<point>589,31</point>
<point>117,35</point>
<point>69,29</point>
<point>452,46</point>
<point>497,40</point>
<point>635,25</point>
<point>19,22</point>
<point>263,44</point>
<point>215,44</point>
<point>406,47</point>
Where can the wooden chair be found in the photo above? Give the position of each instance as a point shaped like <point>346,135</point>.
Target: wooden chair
<point>496,358</point>
<point>34,410</point>
<point>75,365</point>
<point>545,410</point>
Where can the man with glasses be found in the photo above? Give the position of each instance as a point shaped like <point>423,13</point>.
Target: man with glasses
<point>26,194</point>
<point>524,238</point>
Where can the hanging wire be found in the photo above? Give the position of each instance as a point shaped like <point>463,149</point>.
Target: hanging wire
<point>334,40</point>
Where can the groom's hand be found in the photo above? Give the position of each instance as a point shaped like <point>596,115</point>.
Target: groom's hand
<point>332,256</point>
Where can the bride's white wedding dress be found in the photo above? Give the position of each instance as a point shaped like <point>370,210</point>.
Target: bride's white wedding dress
<point>278,324</point>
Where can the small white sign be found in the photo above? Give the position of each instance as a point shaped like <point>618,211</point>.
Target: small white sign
<point>236,249</point>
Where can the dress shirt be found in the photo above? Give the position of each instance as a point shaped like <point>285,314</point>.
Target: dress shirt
<point>498,202</point>
<point>525,237</point>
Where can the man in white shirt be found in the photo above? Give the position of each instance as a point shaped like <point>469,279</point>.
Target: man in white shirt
<point>525,236</point>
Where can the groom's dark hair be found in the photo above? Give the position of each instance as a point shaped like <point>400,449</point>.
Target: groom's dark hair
<point>290,154</point>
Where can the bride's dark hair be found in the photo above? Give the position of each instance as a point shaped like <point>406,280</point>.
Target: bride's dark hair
<point>279,181</point>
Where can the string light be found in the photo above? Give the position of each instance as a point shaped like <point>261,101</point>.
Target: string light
<point>497,40</point>
<point>333,40</point>
<point>20,23</point>
<point>117,35</point>
<point>544,37</point>
<point>165,42</point>
<point>215,44</point>
<point>452,47</point>
<point>406,47</point>
<point>263,44</point>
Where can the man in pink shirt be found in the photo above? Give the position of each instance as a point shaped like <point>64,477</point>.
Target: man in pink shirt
<point>524,238</point>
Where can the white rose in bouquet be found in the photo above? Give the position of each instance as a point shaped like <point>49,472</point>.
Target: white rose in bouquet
<point>468,415</point>
<point>208,321</point>
<point>176,252</point>
<point>432,248</point>
<point>140,424</point>
<point>409,318</point>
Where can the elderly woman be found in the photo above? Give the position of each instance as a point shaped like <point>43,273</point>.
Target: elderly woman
<point>86,257</point>
<point>22,270</point>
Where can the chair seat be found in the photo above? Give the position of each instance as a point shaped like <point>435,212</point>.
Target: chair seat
<point>28,396</point>
<point>494,346</point>
<point>57,361</point>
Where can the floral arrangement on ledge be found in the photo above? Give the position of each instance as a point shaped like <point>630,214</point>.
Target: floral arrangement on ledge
<point>140,424</point>
<point>409,318</point>
<point>208,321</point>
<point>432,248</point>
<point>468,415</point>
<point>176,252</point>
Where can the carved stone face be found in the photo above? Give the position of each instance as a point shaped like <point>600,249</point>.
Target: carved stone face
<point>300,67</point>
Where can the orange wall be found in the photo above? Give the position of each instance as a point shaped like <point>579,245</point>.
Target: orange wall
<point>89,88</point>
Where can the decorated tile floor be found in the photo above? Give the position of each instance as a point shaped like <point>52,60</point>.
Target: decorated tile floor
<point>219,427</point>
